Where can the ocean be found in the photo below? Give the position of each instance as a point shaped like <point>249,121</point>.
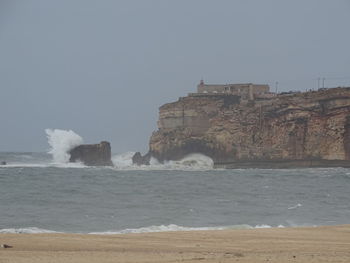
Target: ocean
<point>40,196</point>
<point>43,193</point>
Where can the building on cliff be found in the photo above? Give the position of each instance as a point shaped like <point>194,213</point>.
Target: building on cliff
<point>288,130</point>
<point>247,91</point>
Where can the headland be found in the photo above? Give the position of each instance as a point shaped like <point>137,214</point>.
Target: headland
<point>246,125</point>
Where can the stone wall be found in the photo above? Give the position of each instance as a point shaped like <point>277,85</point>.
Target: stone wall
<point>248,90</point>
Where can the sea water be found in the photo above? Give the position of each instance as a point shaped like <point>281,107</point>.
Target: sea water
<point>38,194</point>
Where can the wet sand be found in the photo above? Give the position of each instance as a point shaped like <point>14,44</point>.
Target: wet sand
<point>318,244</point>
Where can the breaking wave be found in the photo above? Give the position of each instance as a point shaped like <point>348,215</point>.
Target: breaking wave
<point>195,161</point>
<point>29,230</point>
<point>192,162</point>
<point>61,142</point>
<point>294,206</point>
<point>149,229</point>
<point>45,165</point>
<point>123,160</point>
<point>169,228</point>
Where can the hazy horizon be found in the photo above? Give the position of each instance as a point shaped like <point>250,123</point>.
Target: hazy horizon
<point>102,68</point>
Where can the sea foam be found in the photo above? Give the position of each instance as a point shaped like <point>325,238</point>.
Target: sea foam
<point>61,142</point>
<point>194,161</point>
<point>149,229</point>
<point>123,160</point>
<point>28,230</point>
<point>166,228</point>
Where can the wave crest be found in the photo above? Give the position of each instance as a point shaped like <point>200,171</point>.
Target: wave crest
<point>61,142</point>
<point>28,230</point>
<point>149,229</point>
<point>194,161</point>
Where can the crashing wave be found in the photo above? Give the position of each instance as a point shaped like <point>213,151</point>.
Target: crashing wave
<point>123,160</point>
<point>61,142</point>
<point>195,161</point>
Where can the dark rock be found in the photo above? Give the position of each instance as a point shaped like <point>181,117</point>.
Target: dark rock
<point>92,154</point>
<point>138,159</point>
<point>3,163</point>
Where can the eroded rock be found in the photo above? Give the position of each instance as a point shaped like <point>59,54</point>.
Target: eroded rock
<point>92,154</point>
<point>141,160</point>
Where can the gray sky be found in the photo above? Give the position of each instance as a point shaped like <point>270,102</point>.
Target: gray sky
<point>102,68</point>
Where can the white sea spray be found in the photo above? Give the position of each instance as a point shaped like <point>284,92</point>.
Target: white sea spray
<point>123,160</point>
<point>61,142</point>
<point>194,161</point>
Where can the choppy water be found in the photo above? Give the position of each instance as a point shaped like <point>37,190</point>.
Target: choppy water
<point>37,195</point>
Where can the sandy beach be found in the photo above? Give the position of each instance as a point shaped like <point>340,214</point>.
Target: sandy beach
<point>312,244</point>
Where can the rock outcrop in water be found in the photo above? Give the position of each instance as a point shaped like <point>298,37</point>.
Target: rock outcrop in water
<point>287,130</point>
<point>92,154</point>
<point>140,160</point>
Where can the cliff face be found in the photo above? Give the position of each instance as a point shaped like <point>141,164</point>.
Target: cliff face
<point>92,154</point>
<point>300,126</point>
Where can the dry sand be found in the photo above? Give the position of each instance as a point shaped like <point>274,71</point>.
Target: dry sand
<point>319,244</point>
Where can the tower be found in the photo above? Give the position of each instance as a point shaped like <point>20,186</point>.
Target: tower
<point>200,86</point>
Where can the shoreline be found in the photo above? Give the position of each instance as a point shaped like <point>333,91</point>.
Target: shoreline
<point>143,230</point>
<point>300,244</point>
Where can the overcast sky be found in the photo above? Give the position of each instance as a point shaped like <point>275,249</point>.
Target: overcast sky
<point>102,68</point>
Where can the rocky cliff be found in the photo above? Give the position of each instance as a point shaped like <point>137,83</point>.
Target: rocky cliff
<point>92,154</point>
<point>309,126</point>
